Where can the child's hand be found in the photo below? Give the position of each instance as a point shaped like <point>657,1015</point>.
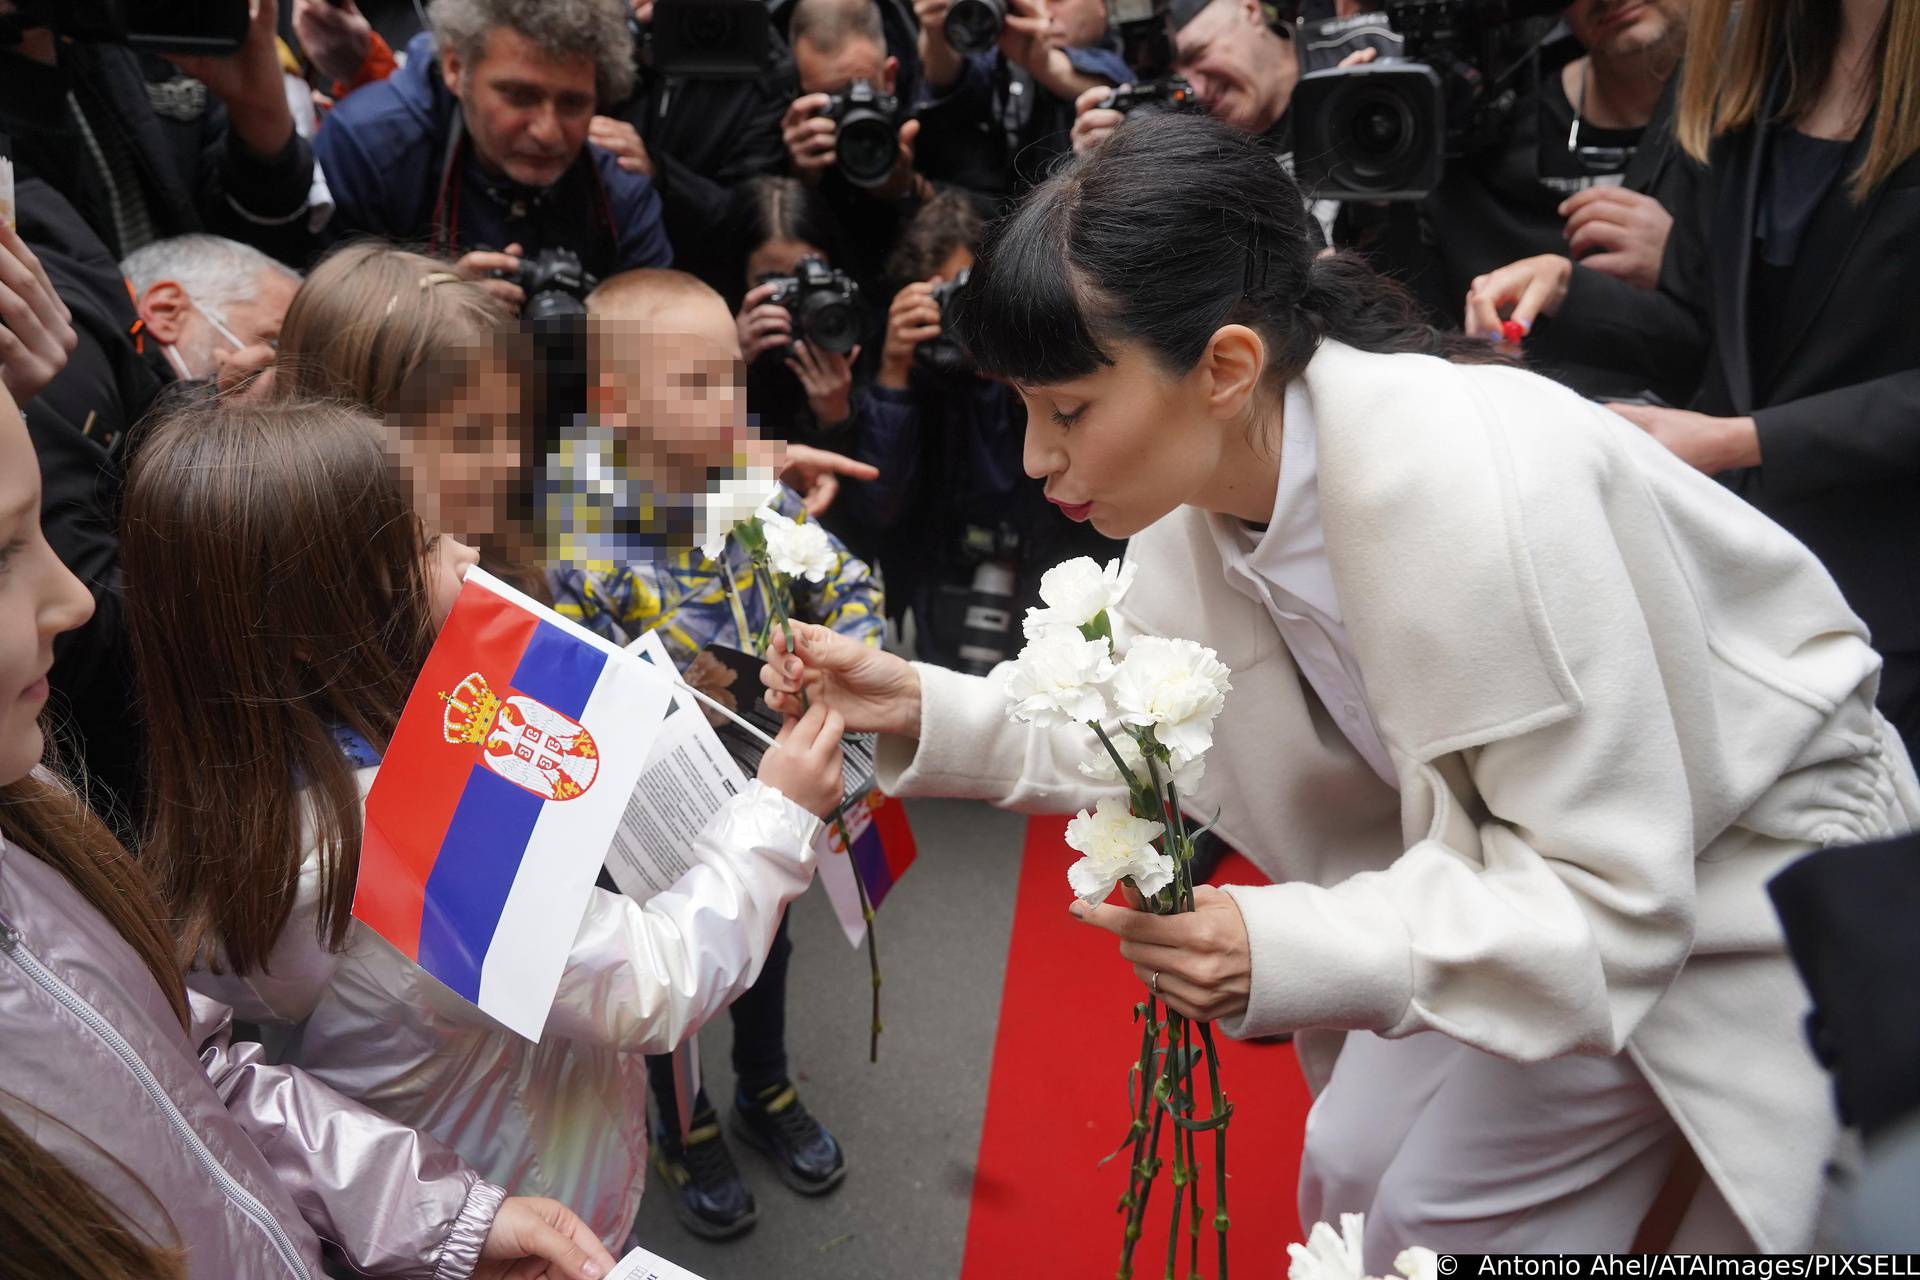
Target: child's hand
<point>805,767</point>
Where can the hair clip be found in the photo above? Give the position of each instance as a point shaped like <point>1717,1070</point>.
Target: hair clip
<point>433,278</point>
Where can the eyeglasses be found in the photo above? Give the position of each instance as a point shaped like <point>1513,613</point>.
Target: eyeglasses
<point>228,334</point>
<point>1593,159</point>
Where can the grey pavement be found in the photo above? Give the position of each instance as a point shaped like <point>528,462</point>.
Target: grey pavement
<point>910,1125</point>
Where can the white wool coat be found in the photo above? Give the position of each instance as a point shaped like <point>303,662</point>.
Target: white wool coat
<point>1617,700</point>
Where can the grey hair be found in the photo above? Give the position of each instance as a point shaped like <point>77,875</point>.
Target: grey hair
<point>216,272</point>
<point>562,28</point>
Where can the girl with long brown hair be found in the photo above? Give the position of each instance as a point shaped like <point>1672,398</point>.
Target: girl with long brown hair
<point>136,1142</point>
<point>282,593</point>
<point>1786,294</point>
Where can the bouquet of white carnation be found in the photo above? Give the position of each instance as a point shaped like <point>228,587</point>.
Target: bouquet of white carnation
<point>1151,710</point>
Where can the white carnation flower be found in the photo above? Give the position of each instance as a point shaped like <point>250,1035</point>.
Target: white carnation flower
<point>1116,844</point>
<point>795,549</point>
<point>1174,687</point>
<point>1328,1255</point>
<point>1075,592</point>
<point>736,496</point>
<point>1057,680</point>
<point>1187,770</point>
<point>1418,1264</point>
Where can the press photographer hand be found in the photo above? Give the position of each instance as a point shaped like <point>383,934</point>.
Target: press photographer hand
<point>810,136</point>
<point>250,83</point>
<point>36,328</point>
<point>1619,232</point>
<point>827,378</point>
<point>480,265</point>
<point>1093,122</point>
<point>623,140</point>
<point>805,765</point>
<point>913,318</point>
<point>762,325</point>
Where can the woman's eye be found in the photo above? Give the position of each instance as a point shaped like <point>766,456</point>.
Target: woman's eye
<point>1068,419</point>
<point>9,551</point>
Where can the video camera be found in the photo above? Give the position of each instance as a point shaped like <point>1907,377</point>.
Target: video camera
<point>216,27</point>
<point>944,357</point>
<point>712,39</point>
<point>555,283</point>
<point>867,143</point>
<point>824,304</point>
<point>974,26</point>
<point>1383,130</point>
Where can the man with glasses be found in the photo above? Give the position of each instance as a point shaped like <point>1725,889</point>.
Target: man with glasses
<point>1581,169</point>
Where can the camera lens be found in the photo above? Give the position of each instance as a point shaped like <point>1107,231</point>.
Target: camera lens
<point>972,26</point>
<point>1379,129</point>
<point>830,321</point>
<point>866,148</point>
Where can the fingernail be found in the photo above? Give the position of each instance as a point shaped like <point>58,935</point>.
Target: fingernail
<point>589,1269</point>
<point>793,666</point>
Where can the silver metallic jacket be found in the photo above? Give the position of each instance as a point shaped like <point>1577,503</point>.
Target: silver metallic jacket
<point>197,1140</point>
<point>566,1117</point>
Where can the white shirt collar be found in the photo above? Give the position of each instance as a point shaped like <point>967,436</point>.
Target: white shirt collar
<point>1292,552</point>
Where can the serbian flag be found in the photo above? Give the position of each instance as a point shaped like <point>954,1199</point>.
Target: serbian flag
<point>881,852</point>
<point>499,796</point>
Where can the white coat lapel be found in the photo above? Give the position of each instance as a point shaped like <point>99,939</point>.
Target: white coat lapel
<point>1429,554</point>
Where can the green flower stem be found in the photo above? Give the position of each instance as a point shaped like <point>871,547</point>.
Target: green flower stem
<point>778,606</point>
<point>1144,1070</point>
<point>1219,1146</point>
<point>1126,774</point>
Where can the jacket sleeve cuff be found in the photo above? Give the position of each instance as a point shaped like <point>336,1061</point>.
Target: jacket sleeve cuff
<point>955,718</point>
<point>1333,958</point>
<point>269,190</point>
<point>471,1227</point>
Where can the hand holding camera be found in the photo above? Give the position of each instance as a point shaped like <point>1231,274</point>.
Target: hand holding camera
<point>249,81</point>
<point>913,318</point>
<point>495,272</point>
<point>1093,120</point>
<point>827,378</point>
<point>855,132</point>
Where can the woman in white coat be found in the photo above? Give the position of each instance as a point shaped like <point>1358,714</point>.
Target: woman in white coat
<point>1524,714</point>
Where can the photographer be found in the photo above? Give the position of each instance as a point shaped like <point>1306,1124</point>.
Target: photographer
<point>799,391</point>
<point>844,71</point>
<point>697,138</point>
<point>967,533</point>
<point>1241,60</point>
<point>1586,166</point>
<point>995,120</point>
<point>145,147</point>
<point>478,146</point>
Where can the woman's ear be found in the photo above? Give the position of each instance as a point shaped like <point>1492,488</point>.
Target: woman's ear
<point>1234,361</point>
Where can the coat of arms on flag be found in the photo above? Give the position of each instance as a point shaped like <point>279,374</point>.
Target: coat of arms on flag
<point>499,796</point>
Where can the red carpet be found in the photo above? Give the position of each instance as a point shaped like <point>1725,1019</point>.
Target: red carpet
<point>1057,1103</point>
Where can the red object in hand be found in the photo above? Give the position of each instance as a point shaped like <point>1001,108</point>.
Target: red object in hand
<point>1512,331</point>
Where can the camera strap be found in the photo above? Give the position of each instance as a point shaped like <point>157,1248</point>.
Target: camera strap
<point>443,232</point>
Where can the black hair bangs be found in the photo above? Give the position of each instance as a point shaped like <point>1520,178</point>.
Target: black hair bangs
<point>1022,315</point>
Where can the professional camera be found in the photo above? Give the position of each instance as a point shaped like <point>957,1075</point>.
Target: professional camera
<point>868,141</point>
<point>713,39</point>
<point>1382,130</point>
<point>1170,93</point>
<point>973,26</point>
<point>943,357</point>
<point>555,283</point>
<point>824,304</point>
<point>216,27</point>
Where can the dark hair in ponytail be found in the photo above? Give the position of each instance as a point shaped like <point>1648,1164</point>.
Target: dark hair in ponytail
<point>1172,227</point>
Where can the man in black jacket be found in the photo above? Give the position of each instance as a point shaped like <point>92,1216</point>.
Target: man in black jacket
<point>144,148</point>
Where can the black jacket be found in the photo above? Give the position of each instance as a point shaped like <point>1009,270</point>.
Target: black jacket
<point>705,137</point>
<point>80,427</point>
<point>195,174</point>
<point>1839,412</point>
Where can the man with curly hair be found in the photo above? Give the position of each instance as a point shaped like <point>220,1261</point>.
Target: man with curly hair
<point>478,145</point>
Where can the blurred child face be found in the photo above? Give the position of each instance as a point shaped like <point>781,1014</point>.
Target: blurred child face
<point>466,456</point>
<point>39,599</point>
<point>674,382</point>
<point>448,560</point>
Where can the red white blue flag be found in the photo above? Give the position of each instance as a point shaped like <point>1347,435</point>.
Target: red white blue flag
<point>499,796</point>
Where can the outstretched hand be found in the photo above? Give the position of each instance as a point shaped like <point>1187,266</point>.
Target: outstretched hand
<point>873,690</point>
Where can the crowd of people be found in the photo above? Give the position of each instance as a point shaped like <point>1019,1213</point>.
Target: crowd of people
<point>1559,523</point>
